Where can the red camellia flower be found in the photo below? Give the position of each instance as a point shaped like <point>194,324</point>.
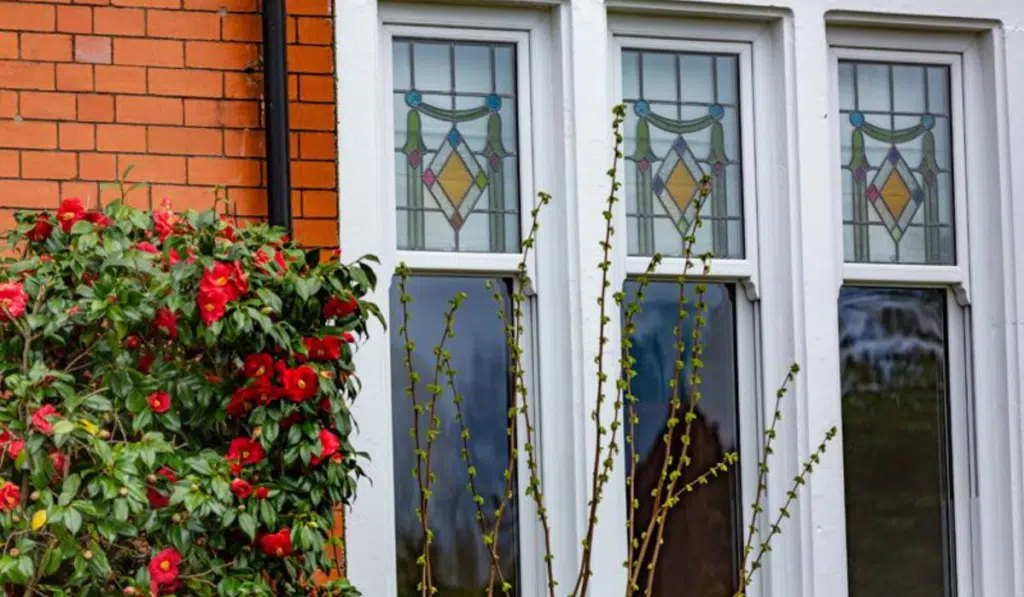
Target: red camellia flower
<point>261,259</point>
<point>230,279</point>
<point>70,211</point>
<point>337,307</point>
<point>146,362</point>
<point>212,303</point>
<point>163,568</point>
<point>262,493</point>
<point>326,349</point>
<point>39,418</point>
<point>174,257</point>
<point>157,499</point>
<point>240,403</point>
<point>15,448</point>
<point>241,488</point>
<point>132,342</point>
<point>258,364</point>
<point>9,444</point>
<point>42,229</point>
<point>330,446</point>
<point>348,337</point>
<point>159,402</point>
<point>163,223</point>
<point>300,383</point>
<point>243,451</point>
<point>13,299</point>
<point>277,544</point>
<point>147,247</point>
<point>240,279</point>
<point>98,219</point>
<point>58,460</point>
<point>167,322</point>
<point>10,496</point>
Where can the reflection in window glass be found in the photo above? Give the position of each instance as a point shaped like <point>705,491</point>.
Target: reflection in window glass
<point>899,498</point>
<point>896,163</point>
<point>682,125</point>
<point>701,548</point>
<point>457,180</point>
<point>480,355</point>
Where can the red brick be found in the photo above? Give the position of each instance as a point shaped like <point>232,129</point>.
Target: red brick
<point>223,171</point>
<point>248,202</point>
<point>95,108</point>
<point>228,5</point>
<point>121,137</point>
<point>318,146</point>
<point>48,106</point>
<point>28,193</point>
<point>185,141</point>
<point>149,110</point>
<point>320,204</point>
<point>85,190</point>
<point>311,59</point>
<point>53,165</point>
<point>316,88</point>
<point>152,168</point>
<point>243,85</point>
<point>318,31</point>
<point>92,49</point>
<point>26,75</point>
<point>184,197</point>
<point>229,114</point>
<point>97,166</point>
<point>46,47</point>
<point>120,21</point>
<point>74,19</point>
<point>187,83</point>
<point>121,79</point>
<point>149,3</point>
<point>220,55</point>
<point>295,198</point>
<point>242,27</point>
<point>28,134</point>
<point>9,163</point>
<point>293,88</point>
<point>310,7</point>
<point>74,77</point>
<point>182,25</point>
<point>75,136</point>
<point>93,2</point>
<point>313,175</point>
<point>8,104</point>
<point>245,143</point>
<point>148,52</point>
<point>311,117</point>
<point>317,233</point>
<point>8,45</point>
<point>23,16</point>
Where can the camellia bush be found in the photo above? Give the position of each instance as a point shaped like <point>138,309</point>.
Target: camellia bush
<point>174,396</point>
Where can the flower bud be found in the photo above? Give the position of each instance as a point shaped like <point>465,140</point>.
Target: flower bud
<point>151,478</point>
<point>176,518</point>
<point>87,554</point>
<point>123,491</point>
<point>104,434</point>
<point>241,507</point>
<point>14,552</point>
<point>313,524</point>
<point>34,496</point>
<point>130,591</point>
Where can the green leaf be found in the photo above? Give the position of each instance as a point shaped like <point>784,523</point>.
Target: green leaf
<point>72,520</point>
<point>63,427</point>
<point>248,524</point>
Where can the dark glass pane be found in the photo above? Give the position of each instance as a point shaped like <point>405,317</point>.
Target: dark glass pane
<point>699,557</point>
<point>899,498</point>
<point>480,355</point>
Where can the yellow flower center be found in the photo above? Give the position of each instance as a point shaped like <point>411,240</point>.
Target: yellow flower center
<point>261,371</point>
<point>245,454</point>
<point>279,552</point>
<point>209,307</point>
<point>165,565</point>
<point>301,384</point>
<point>222,281</point>
<point>67,216</point>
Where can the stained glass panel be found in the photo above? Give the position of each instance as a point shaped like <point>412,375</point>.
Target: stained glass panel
<point>897,175</point>
<point>682,125</point>
<point>460,559</point>
<point>457,178</point>
<point>896,442</point>
<point>701,540</point>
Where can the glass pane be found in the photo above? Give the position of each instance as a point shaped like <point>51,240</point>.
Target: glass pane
<point>896,142</point>
<point>899,497</point>
<point>702,533</point>
<point>459,559</point>
<point>683,125</point>
<point>455,135</point>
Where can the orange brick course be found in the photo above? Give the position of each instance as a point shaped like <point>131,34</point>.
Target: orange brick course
<point>171,87</point>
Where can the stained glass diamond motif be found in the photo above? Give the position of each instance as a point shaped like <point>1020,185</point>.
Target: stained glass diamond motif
<point>677,183</point>
<point>895,194</point>
<point>455,179</point>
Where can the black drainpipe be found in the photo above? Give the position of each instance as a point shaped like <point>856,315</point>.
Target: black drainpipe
<point>275,98</point>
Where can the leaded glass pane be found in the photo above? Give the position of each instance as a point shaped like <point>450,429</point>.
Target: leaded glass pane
<point>457,177</point>
<point>896,442</point>
<point>896,139</point>
<point>683,124</point>
<point>700,553</point>
<point>479,354</point>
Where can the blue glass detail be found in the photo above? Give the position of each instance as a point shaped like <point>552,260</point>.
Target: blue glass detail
<point>857,118</point>
<point>642,108</point>
<point>413,98</point>
<point>679,145</point>
<point>454,137</point>
<point>493,102</point>
<point>716,111</point>
<point>927,121</point>
<point>894,156</point>
<point>917,196</point>
<point>658,185</point>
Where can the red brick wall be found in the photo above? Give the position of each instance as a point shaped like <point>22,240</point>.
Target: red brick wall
<point>171,87</point>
